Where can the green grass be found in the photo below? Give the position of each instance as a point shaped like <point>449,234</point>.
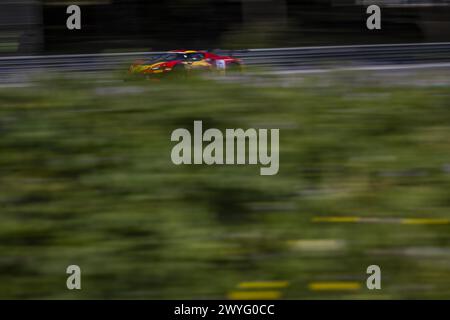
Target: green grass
<point>86,178</point>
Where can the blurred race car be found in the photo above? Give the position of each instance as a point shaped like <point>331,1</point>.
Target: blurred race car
<point>183,62</point>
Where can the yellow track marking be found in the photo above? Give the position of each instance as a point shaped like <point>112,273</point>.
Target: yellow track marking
<point>336,219</point>
<point>408,221</point>
<point>425,221</point>
<point>334,286</point>
<point>263,285</point>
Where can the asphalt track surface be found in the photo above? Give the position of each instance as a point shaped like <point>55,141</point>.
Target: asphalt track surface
<point>19,69</point>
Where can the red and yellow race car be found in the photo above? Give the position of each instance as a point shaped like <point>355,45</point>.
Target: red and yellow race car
<point>183,62</point>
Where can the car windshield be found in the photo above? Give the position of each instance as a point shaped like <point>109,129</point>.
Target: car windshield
<point>168,57</point>
<point>195,56</point>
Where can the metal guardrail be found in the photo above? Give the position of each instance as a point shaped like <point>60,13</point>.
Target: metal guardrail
<point>363,54</point>
<point>280,58</point>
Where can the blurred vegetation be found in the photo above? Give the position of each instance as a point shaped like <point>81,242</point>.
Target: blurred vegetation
<point>86,178</point>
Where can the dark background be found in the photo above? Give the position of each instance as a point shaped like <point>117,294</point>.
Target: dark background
<point>40,26</point>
